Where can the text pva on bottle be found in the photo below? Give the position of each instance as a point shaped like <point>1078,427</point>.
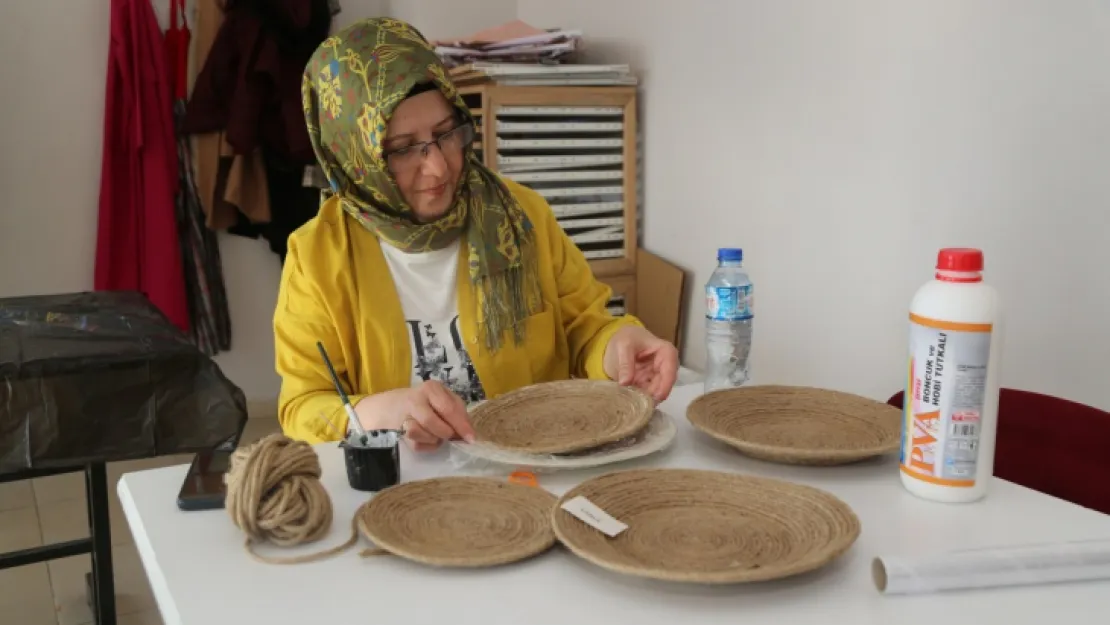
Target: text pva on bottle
<point>951,398</point>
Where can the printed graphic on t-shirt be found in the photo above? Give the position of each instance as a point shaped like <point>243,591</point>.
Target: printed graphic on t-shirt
<point>439,354</point>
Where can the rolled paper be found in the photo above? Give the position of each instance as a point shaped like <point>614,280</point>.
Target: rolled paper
<point>1018,565</point>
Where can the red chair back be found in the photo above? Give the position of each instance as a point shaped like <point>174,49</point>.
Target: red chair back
<point>1053,446</point>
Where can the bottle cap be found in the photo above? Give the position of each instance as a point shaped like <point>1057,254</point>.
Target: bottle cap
<point>962,259</point>
<point>731,254</point>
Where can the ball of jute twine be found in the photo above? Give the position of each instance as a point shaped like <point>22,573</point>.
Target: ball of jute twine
<point>708,527</point>
<point>562,417</point>
<point>798,425</point>
<point>274,495</point>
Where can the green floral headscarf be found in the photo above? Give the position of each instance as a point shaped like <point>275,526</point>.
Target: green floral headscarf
<point>350,89</point>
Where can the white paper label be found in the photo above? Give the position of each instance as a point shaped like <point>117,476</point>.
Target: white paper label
<point>593,516</point>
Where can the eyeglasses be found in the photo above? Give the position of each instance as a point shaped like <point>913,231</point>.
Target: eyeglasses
<point>411,156</point>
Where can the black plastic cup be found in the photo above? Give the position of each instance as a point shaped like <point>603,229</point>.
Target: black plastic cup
<point>375,465</point>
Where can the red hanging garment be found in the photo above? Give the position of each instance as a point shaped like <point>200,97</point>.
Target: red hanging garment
<point>177,50</point>
<point>137,245</point>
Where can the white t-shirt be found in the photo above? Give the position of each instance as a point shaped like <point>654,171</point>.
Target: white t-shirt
<point>426,284</point>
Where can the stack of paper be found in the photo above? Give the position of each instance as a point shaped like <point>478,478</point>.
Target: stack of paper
<point>511,42</point>
<point>516,53</point>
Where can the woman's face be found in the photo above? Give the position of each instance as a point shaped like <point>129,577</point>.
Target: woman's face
<point>426,174</point>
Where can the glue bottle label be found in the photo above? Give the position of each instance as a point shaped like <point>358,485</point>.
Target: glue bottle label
<point>944,400</point>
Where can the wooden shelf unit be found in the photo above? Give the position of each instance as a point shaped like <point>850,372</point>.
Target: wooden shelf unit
<point>577,147</point>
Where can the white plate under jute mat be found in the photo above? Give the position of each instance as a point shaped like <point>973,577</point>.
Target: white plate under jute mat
<point>708,527</point>
<point>561,417</point>
<point>657,436</point>
<point>798,425</point>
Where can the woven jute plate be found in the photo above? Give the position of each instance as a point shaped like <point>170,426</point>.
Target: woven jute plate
<point>460,521</point>
<point>708,527</point>
<point>655,437</point>
<point>798,425</point>
<point>561,417</point>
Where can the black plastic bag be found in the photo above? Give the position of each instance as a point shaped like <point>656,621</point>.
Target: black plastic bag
<point>104,376</point>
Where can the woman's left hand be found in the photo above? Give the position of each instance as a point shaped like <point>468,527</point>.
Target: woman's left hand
<point>636,357</point>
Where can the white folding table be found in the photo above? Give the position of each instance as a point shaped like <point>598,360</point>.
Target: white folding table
<point>201,575</point>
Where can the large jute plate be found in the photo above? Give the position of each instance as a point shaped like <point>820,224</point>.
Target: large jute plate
<point>561,417</point>
<point>460,521</point>
<point>657,436</point>
<point>708,527</point>
<point>798,425</point>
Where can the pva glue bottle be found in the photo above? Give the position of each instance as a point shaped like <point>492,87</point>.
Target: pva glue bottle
<point>950,413</point>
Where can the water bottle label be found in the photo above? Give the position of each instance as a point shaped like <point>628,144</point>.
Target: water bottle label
<point>728,303</point>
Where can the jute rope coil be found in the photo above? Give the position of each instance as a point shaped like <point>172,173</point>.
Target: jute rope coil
<point>708,527</point>
<point>461,521</point>
<point>274,495</point>
<point>798,425</point>
<point>562,417</point>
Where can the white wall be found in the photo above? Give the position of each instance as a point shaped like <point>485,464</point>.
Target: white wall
<point>451,18</point>
<point>839,143</point>
<point>50,167</point>
<point>50,162</point>
<point>842,143</point>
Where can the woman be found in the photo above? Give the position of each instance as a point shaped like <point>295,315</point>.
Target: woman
<point>430,281</point>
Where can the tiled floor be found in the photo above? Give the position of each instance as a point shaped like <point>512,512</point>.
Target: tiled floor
<point>52,509</point>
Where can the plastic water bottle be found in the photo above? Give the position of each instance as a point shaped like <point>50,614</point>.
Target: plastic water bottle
<point>728,322</point>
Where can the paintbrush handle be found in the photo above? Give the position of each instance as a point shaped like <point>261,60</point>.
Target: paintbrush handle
<point>352,418</point>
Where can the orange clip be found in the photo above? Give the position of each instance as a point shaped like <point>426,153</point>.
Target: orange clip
<point>523,477</point>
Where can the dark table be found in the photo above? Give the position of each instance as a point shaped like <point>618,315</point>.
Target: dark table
<point>92,378</point>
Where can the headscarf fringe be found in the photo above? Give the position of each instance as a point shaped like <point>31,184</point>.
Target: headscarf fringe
<point>504,296</point>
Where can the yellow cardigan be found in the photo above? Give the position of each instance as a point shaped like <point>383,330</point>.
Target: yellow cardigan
<point>337,289</point>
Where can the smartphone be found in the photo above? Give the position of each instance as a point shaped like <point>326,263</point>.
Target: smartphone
<point>203,488</point>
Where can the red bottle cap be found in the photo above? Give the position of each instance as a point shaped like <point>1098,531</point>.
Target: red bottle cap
<point>960,259</point>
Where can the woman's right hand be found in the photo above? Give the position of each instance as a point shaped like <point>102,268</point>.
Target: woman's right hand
<point>432,414</point>
<point>429,414</point>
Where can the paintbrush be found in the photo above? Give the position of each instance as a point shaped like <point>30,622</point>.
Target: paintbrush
<point>352,417</point>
